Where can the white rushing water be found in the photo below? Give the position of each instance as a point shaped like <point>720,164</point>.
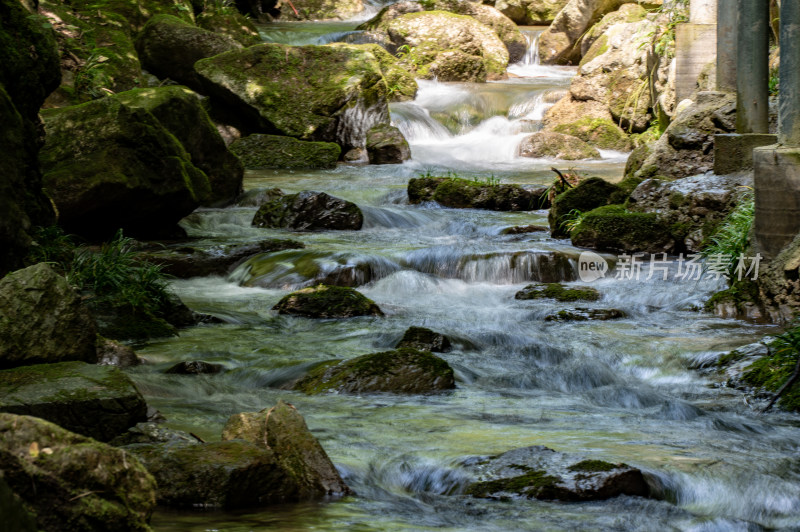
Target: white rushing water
<point>616,390</point>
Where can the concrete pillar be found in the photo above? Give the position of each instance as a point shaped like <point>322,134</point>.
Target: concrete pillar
<point>777,168</point>
<point>752,59</point>
<point>727,21</point>
<point>695,46</point>
<point>789,105</point>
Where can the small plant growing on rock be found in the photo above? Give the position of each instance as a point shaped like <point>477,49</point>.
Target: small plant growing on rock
<point>732,237</point>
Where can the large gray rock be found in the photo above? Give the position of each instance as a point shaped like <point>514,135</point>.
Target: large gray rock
<point>387,145</point>
<point>547,144</point>
<point>169,47</point>
<point>542,473</point>
<point>181,112</point>
<point>402,371</point>
<point>108,166</point>
<point>321,93</point>
<point>71,482</point>
<point>42,319</point>
<point>96,401</point>
<point>282,430</point>
<point>29,71</point>
<point>531,12</point>
<point>309,211</point>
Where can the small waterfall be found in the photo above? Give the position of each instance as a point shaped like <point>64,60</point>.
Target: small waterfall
<point>532,53</point>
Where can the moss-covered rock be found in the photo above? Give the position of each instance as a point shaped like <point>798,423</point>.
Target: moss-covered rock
<point>71,482</point>
<point>461,193</point>
<point>401,84</point>
<point>601,133</point>
<point>169,47</point>
<point>586,314</point>
<point>423,339</point>
<point>322,93</point>
<point>186,261</point>
<point>403,371</point>
<point>742,300</point>
<point>531,12</point>
<point>309,211</point>
<point>325,301</point>
<point>16,518</point>
<point>587,195</point>
<point>109,166</point>
<point>42,319</point>
<point>274,151</point>
<point>195,367</point>
<point>772,372</point>
<point>96,401</point>
<point>320,9</point>
<point>541,473</point>
<point>228,474</point>
<point>626,13</point>
<point>139,12</point>
<point>430,33</point>
<point>558,292</point>
<point>230,23</point>
<point>29,71</point>
<point>612,228</point>
<point>113,353</point>
<point>282,430</point>
<point>548,144</point>
<point>387,145</point>
<point>98,56</point>
<point>181,112</point>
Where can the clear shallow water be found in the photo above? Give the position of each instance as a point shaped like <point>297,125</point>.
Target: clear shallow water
<point>616,390</point>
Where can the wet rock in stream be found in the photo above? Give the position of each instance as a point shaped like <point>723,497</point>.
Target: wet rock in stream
<point>558,292</point>
<point>309,211</point>
<point>325,301</point>
<point>424,339</point>
<point>586,314</point>
<point>195,367</point>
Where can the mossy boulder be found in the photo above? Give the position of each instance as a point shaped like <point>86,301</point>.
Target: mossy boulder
<point>531,12</point>
<point>42,319</point>
<point>113,353</point>
<point>309,211</point>
<point>461,193</point>
<point>401,84</point>
<point>558,292</point>
<point>16,518</point>
<point>321,93</point>
<point>228,474</point>
<point>403,371</point>
<point>601,133</point>
<point>181,112</point>
<point>139,12</point>
<point>151,432</point>
<point>169,47</point>
<point>612,228</point>
<point>325,301</point>
<point>423,339</point>
<point>772,372</point>
<point>548,144</point>
<point>96,401</point>
<point>231,24</point>
<point>387,145</point>
<point>430,33</point>
<point>185,262</point>
<point>742,301</point>
<point>71,482</point>
<point>108,165</point>
<point>585,196</point>
<point>98,56</point>
<point>631,12</point>
<point>29,71</point>
<point>540,473</point>
<point>282,430</point>
<point>586,314</point>
<point>274,151</point>
<point>320,9</point>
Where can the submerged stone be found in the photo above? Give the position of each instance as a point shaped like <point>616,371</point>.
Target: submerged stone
<point>195,367</point>
<point>325,301</point>
<point>43,319</point>
<point>309,211</point>
<point>96,401</point>
<point>403,371</point>
<point>71,482</point>
<point>424,339</point>
<point>282,430</point>
<point>587,314</point>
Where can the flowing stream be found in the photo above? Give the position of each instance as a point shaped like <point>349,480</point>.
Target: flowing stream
<point>615,390</point>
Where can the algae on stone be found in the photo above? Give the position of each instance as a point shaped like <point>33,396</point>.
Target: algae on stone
<point>325,301</point>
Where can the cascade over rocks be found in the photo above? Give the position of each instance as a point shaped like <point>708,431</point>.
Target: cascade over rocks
<point>309,211</point>
<point>282,430</point>
<point>556,145</point>
<point>322,93</point>
<point>531,12</point>
<point>29,72</point>
<point>169,47</point>
<point>181,112</point>
<point>540,473</point>
<point>323,301</point>
<point>403,371</point>
<point>42,319</point>
<point>387,145</point>
<point>96,401</point>
<point>70,482</point>
<point>108,165</point>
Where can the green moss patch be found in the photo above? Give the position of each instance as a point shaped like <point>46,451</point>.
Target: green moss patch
<point>533,484</point>
<point>558,292</point>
